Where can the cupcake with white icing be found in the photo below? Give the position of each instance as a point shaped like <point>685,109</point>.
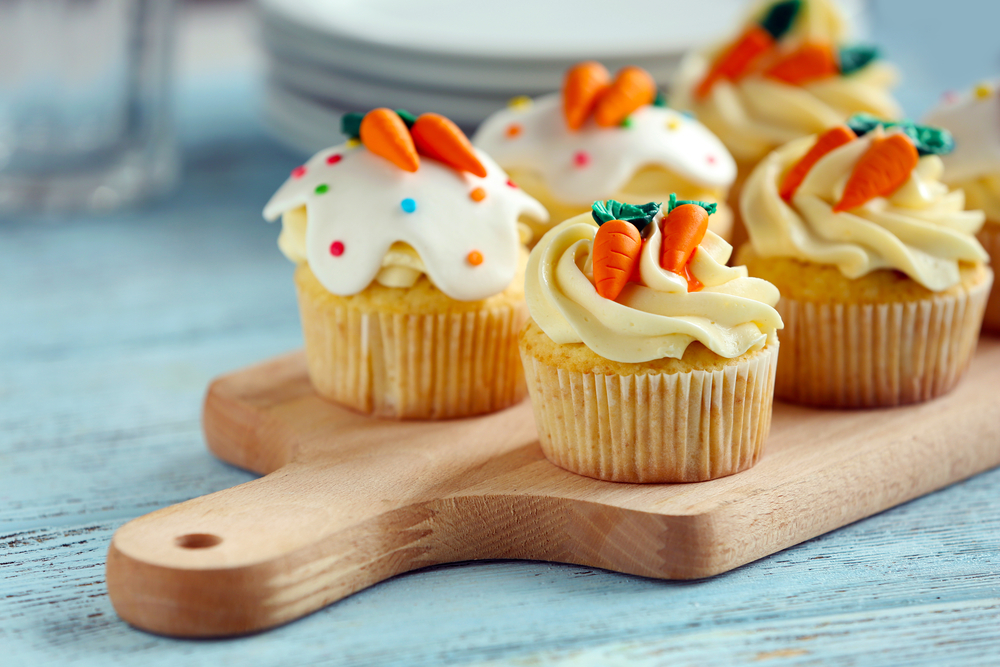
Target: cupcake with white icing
<point>788,73</point>
<point>647,358</point>
<point>882,280</point>
<point>410,260</point>
<point>607,138</point>
<point>973,119</point>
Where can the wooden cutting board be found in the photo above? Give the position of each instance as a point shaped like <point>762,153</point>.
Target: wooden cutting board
<point>349,501</point>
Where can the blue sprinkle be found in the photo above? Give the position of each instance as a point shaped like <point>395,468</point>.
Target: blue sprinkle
<point>408,205</point>
<point>688,114</point>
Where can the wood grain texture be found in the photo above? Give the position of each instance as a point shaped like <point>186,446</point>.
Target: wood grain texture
<point>349,501</point>
<point>113,327</point>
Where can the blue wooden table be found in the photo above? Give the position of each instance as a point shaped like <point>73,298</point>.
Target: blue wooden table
<point>111,328</point>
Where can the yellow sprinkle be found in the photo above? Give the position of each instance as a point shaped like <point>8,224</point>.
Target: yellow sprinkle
<point>673,124</point>
<point>520,103</point>
<point>983,91</point>
<point>353,143</point>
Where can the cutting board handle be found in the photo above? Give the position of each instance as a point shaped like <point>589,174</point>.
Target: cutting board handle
<point>257,555</point>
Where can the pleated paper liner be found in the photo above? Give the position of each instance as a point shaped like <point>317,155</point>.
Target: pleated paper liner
<point>989,236</point>
<point>877,355</point>
<point>411,366</point>
<point>655,427</point>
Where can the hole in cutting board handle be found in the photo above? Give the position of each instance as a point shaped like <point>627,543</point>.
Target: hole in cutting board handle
<point>197,541</point>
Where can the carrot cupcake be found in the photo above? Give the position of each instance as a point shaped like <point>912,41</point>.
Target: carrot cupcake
<point>647,358</point>
<point>882,280</point>
<point>974,166</point>
<point>787,74</point>
<point>410,261</point>
<point>607,138</point>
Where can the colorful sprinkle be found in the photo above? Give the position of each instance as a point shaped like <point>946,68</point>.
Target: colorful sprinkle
<point>299,171</point>
<point>511,184</point>
<point>983,91</point>
<point>950,97</point>
<point>409,205</point>
<point>520,103</point>
<point>474,258</point>
<point>513,130</point>
<point>673,124</point>
<point>336,248</point>
<point>581,158</point>
<point>478,194</point>
<point>627,122</point>
<point>353,143</point>
<point>322,188</point>
<point>335,158</point>
<point>710,159</point>
<point>688,114</point>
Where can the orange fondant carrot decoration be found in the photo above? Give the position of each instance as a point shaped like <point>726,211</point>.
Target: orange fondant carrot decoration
<point>437,137</point>
<point>582,87</point>
<point>384,133</point>
<point>738,59</point>
<point>632,88</point>
<point>683,229</point>
<point>616,252</point>
<point>881,171</point>
<point>833,138</point>
<point>810,62</point>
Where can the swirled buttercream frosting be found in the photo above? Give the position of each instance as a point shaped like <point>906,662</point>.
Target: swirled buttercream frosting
<point>655,315</point>
<point>788,74</point>
<point>919,228</point>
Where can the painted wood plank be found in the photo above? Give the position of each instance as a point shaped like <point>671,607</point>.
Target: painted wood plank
<point>924,577</point>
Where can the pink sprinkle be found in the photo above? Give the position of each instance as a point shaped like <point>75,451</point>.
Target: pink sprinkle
<point>336,248</point>
<point>581,158</point>
<point>334,159</point>
<point>950,96</point>
<point>711,159</point>
<point>511,183</point>
<point>299,171</point>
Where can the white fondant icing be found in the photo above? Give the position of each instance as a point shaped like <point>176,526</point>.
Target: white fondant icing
<point>657,136</point>
<point>362,209</point>
<point>974,122</point>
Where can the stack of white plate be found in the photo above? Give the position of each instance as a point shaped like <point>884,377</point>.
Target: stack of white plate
<point>462,58</point>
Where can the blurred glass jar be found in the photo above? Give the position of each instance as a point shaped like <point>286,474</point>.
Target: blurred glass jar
<point>85,120</point>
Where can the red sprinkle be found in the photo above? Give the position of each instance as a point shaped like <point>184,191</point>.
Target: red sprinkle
<point>299,171</point>
<point>336,248</point>
<point>581,158</point>
<point>334,159</point>
<point>511,183</point>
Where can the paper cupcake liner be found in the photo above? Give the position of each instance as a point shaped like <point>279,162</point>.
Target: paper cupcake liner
<point>655,427</point>
<point>415,366</point>
<point>989,236</point>
<point>877,355</point>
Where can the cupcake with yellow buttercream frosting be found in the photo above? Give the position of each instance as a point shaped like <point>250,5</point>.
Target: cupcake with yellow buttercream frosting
<point>410,260</point>
<point>883,282</point>
<point>789,72</point>
<point>647,358</point>
<point>973,119</point>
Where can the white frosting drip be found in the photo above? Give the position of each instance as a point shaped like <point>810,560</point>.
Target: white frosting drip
<point>974,122</point>
<point>362,210</point>
<point>656,137</point>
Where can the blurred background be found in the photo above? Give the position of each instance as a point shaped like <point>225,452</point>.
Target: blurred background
<point>100,98</point>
